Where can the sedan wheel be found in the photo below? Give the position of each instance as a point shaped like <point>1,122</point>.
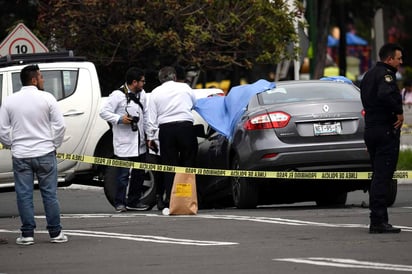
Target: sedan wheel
<point>393,190</point>
<point>332,199</point>
<point>245,193</point>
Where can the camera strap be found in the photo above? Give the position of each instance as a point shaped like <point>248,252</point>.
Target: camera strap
<point>132,96</point>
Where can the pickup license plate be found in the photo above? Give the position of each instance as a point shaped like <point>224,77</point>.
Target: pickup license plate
<point>327,129</point>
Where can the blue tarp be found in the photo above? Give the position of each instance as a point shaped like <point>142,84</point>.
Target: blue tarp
<point>223,112</point>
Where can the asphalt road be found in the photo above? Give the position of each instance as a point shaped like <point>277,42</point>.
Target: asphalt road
<point>299,238</point>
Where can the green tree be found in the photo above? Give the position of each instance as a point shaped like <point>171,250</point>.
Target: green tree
<point>319,17</point>
<point>359,15</point>
<point>206,34</point>
<point>14,12</point>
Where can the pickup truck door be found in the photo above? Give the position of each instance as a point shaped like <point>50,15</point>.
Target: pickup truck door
<point>78,109</point>
<point>6,168</point>
<point>72,87</point>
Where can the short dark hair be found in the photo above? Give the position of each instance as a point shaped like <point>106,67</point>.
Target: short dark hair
<point>167,74</point>
<point>180,73</point>
<point>27,73</point>
<point>134,73</point>
<point>388,50</point>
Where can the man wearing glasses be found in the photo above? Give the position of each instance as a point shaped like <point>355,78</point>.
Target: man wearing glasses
<point>125,109</point>
<point>33,126</point>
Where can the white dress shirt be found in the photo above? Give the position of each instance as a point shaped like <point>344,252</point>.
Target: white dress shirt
<point>126,143</point>
<point>170,102</point>
<point>31,123</point>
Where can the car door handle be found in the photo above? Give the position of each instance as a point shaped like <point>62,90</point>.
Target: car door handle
<point>73,112</point>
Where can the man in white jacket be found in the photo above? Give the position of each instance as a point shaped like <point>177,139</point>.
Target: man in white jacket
<point>126,110</point>
<point>33,126</point>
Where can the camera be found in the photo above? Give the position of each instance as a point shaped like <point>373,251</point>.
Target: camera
<point>133,123</point>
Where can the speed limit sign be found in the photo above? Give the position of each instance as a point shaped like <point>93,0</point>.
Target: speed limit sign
<point>21,45</point>
<point>21,41</point>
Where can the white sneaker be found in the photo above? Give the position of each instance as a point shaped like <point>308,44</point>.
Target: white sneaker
<point>61,238</point>
<point>25,240</point>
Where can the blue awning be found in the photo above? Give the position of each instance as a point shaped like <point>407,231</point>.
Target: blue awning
<point>351,40</point>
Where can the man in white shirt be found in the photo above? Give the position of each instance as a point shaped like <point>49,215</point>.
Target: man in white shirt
<point>170,110</point>
<point>33,126</point>
<point>126,110</point>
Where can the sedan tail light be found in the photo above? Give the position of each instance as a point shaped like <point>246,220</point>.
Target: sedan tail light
<point>276,119</point>
<point>363,112</point>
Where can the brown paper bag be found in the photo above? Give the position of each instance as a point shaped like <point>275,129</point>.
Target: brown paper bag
<point>183,199</point>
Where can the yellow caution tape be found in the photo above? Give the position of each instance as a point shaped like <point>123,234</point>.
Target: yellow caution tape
<point>336,175</point>
<point>327,175</point>
<point>406,129</point>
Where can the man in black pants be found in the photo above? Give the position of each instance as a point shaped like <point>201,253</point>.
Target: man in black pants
<point>170,107</point>
<point>382,102</point>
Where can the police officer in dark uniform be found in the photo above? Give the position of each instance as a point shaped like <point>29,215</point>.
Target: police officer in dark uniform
<point>382,103</point>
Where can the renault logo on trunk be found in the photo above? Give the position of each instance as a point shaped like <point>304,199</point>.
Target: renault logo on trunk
<point>325,108</point>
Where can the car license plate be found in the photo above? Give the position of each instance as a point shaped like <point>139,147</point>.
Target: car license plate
<point>327,129</point>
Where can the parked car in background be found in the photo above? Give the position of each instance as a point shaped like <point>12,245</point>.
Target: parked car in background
<point>304,126</point>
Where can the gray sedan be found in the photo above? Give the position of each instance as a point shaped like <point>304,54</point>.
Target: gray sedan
<point>313,126</point>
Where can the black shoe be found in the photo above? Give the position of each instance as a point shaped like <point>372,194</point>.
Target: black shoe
<point>383,228</point>
<point>138,207</point>
<point>159,202</point>
<point>120,208</point>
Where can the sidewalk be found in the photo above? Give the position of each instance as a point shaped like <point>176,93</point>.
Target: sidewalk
<point>405,181</point>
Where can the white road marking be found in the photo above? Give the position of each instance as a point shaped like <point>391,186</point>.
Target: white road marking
<point>289,221</point>
<point>145,238</point>
<point>159,239</point>
<point>268,220</point>
<point>347,263</point>
<point>134,237</point>
<point>277,221</point>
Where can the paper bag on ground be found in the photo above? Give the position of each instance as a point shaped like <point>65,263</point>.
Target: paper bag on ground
<point>183,199</point>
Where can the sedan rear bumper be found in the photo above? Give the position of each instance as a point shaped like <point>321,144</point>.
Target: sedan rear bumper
<point>315,160</point>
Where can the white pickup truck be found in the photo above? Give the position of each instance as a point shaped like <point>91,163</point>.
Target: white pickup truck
<point>75,84</point>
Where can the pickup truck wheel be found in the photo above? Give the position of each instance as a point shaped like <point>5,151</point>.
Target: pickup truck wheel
<point>149,191</point>
<point>109,183</point>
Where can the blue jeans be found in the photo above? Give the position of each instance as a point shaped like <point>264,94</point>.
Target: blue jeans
<point>45,168</point>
